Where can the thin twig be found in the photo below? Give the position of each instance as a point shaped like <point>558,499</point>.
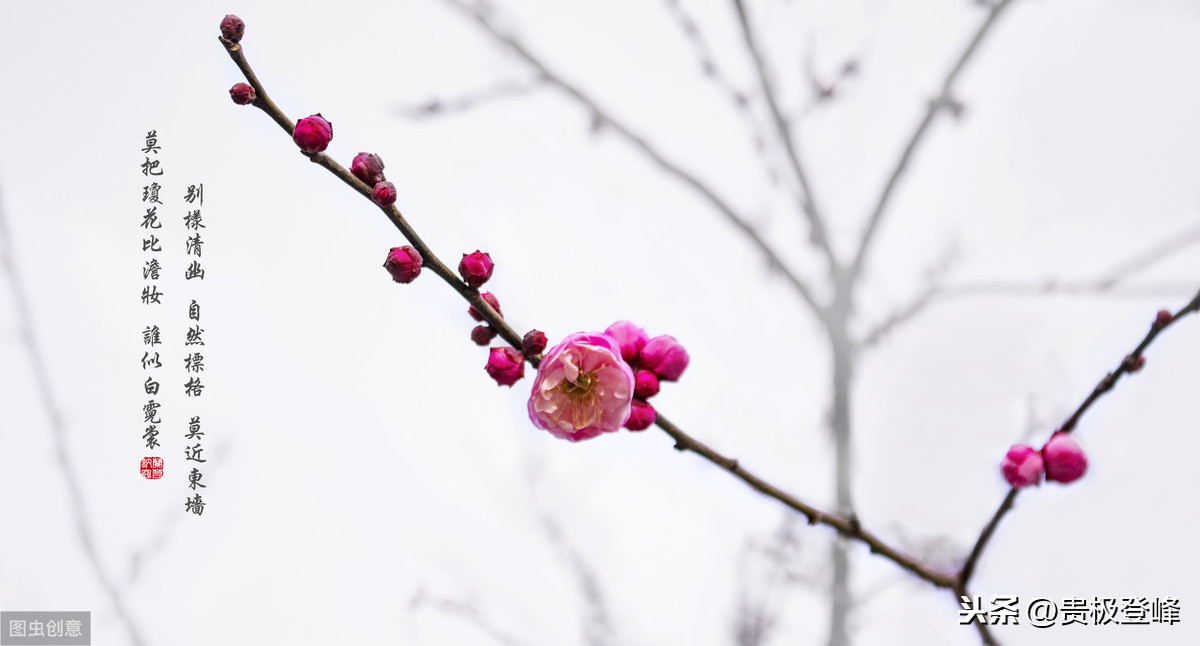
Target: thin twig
<point>1127,365</point>
<point>58,433</point>
<point>819,235</point>
<point>470,101</point>
<point>469,613</point>
<point>1109,285</point>
<point>944,99</point>
<point>671,168</point>
<point>738,99</point>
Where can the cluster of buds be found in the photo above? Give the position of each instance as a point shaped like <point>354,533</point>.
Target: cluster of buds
<point>652,360</point>
<point>1060,460</point>
<point>368,167</point>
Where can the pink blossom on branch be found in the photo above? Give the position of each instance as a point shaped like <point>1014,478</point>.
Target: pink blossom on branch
<point>583,388</point>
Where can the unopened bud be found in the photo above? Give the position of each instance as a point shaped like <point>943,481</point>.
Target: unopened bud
<point>1022,466</point>
<point>384,194</point>
<point>641,416</point>
<point>368,167</point>
<point>1065,461</point>
<point>645,384</point>
<point>476,268</point>
<point>505,365</point>
<point>482,335</point>
<point>665,357</point>
<point>403,263</point>
<point>490,299</point>
<point>242,94</point>
<point>232,28</point>
<point>631,338</point>
<point>534,343</point>
<point>313,134</point>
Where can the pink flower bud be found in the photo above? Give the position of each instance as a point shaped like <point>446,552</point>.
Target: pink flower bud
<point>645,384</point>
<point>242,94</point>
<point>482,335</point>
<point>1136,363</point>
<point>313,134</point>
<point>1163,318</point>
<point>368,167</point>
<point>403,263</point>
<point>1023,466</point>
<point>533,343</point>
<point>505,365</point>
<point>476,268</point>
<point>490,299</point>
<point>631,337</point>
<point>232,28</point>
<point>583,388</point>
<point>665,357</point>
<point>384,194</point>
<point>1065,461</point>
<point>641,416</point>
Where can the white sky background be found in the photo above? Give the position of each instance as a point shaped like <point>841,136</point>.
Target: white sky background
<point>358,454</point>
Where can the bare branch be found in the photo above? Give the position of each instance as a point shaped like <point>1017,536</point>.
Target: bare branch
<point>597,628</point>
<point>671,168</point>
<point>1129,363</point>
<point>58,434</point>
<point>739,100</point>
<point>944,99</point>
<point>846,527</point>
<point>819,236</point>
<point>1109,285</point>
<point>469,613</point>
<point>470,101</point>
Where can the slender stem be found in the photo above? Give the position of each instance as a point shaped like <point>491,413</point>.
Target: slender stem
<point>935,106</point>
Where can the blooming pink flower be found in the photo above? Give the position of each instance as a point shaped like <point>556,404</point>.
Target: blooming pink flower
<point>1023,466</point>
<point>505,365</point>
<point>313,134</point>
<point>1065,461</point>
<point>583,388</point>
<point>664,356</point>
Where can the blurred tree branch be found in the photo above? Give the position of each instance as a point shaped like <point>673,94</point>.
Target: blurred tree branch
<point>58,434</point>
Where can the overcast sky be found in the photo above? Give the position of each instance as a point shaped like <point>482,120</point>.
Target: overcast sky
<point>367,482</point>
